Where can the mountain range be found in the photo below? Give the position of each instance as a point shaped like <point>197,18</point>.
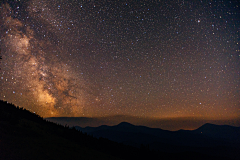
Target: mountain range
<point>216,140</point>
<point>25,136</point>
<point>168,123</point>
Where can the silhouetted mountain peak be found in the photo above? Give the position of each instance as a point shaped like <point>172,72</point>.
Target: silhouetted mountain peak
<point>214,127</point>
<point>206,126</point>
<point>209,125</point>
<point>125,124</point>
<point>220,131</point>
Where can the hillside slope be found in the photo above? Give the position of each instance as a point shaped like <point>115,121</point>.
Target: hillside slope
<point>24,135</point>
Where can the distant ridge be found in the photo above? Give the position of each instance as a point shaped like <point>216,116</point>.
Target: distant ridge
<point>226,132</point>
<point>172,124</point>
<point>206,139</point>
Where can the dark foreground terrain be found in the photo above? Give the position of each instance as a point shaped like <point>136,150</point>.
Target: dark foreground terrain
<point>25,136</point>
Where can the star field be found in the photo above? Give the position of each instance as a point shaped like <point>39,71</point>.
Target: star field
<point>140,58</point>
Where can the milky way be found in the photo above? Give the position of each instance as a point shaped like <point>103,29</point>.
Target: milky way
<point>34,69</point>
<point>149,59</point>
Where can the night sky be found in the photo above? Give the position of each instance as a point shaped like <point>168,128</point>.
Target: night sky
<point>92,58</point>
